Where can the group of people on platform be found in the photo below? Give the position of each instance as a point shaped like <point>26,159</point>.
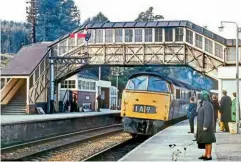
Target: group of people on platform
<point>207,113</point>
<point>72,106</point>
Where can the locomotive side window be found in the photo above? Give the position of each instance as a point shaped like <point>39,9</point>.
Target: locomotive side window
<point>157,85</point>
<point>178,94</point>
<point>138,83</point>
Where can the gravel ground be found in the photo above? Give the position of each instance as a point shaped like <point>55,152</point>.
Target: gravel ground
<point>25,151</point>
<point>116,153</point>
<point>86,149</point>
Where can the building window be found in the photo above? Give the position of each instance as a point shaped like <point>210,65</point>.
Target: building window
<point>138,35</point>
<point>189,36</point>
<point>62,47</point>
<point>208,45</point>
<point>218,50</point>
<point>81,41</point>
<point>71,83</point>
<point>92,85</point>
<point>168,35</point>
<point>178,34</point>
<point>92,38</point>
<point>118,35</point>
<point>128,35</point>
<point>64,84</point>
<point>71,43</point>
<point>85,85</point>
<point>199,41</point>
<point>158,34</point>
<point>82,84</point>
<point>148,35</point>
<point>68,84</point>
<point>231,54</point>
<point>99,36</point>
<point>109,35</point>
<point>113,92</point>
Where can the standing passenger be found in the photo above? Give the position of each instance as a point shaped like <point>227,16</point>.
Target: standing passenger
<point>205,126</point>
<point>192,114</point>
<point>225,109</point>
<point>99,103</point>
<point>67,105</point>
<point>234,107</point>
<point>221,125</point>
<point>215,108</point>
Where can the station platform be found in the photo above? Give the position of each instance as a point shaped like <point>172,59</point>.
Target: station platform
<point>12,119</point>
<point>17,129</point>
<point>156,148</point>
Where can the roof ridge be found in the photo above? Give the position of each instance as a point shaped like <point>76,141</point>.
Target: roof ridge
<point>32,44</point>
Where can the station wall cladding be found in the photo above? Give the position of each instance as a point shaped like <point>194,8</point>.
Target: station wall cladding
<point>16,133</point>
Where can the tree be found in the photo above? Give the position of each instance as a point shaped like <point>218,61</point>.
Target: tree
<point>99,18</point>
<point>148,15</point>
<point>14,35</point>
<point>56,18</point>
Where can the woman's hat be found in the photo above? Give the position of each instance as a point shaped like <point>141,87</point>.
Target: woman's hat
<point>205,94</point>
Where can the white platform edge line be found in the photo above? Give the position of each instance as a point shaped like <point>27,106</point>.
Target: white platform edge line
<point>54,118</point>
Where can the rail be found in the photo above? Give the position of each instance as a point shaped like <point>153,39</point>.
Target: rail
<point>8,153</point>
<point>121,149</point>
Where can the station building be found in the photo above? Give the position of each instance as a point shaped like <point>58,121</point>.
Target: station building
<point>227,81</point>
<point>85,87</point>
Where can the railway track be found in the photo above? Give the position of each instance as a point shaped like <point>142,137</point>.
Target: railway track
<point>117,151</point>
<point>37,150</point>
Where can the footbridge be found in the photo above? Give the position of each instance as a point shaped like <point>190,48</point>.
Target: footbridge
<point>180,43</point>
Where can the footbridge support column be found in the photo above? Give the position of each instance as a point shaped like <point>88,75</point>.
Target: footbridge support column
<point>51,87</point>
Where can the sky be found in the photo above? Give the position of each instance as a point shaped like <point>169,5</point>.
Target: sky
<point>201,12</point>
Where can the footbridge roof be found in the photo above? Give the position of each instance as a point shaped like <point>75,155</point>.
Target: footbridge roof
<point>158,24</point>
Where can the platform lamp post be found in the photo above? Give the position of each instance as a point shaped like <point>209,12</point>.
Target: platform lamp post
<point>116,72</point>
<point>238,30</point>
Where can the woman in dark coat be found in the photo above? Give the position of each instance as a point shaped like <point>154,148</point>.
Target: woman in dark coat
<point>215,108</point>
<point>225,109</point>
<point>205,126</point>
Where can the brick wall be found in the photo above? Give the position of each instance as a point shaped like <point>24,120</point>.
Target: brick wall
<point>82,98</point>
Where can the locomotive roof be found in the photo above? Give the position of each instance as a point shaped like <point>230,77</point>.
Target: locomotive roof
<point>168,79</point>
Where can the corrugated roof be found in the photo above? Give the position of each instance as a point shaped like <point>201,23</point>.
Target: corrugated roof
<point>153,24</point>
<point>87,75</point>
<point>232,42</point>
<point>163,24</point>
<point>26,60</point>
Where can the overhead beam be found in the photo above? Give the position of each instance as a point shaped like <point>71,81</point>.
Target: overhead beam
<point>69,60</point>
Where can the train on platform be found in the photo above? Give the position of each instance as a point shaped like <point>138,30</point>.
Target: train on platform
<point>150,101</point>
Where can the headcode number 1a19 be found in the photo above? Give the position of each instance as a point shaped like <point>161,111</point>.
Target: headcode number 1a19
<point>142,109</point>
